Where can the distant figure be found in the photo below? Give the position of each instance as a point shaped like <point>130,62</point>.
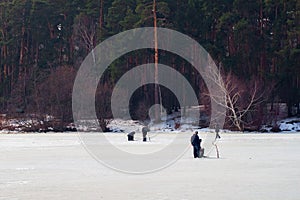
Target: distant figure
<point>145,130</point>
<point>196,142</point>
<point>217,130</point>
<point>177,125</point>
<point>130,136</point>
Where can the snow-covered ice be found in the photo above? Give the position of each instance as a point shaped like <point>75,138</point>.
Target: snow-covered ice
<point>56,166</point>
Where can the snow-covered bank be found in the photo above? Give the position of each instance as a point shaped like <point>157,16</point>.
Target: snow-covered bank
<point>33,123</point>
<point>289,125</point>
<point>170,123</point>
<point>56,166</point>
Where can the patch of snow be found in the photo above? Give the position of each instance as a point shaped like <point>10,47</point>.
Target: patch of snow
<point>290,125</point>
<point>168,124</point>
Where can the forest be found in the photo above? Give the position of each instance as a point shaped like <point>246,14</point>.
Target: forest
<point>255,44</point>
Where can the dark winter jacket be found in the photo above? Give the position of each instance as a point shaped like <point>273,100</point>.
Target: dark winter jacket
<point>195,140</point>
<point>145,129</point>
<point>131,133</point>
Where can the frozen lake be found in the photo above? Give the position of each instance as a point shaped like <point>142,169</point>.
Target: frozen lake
<point>56,166</point>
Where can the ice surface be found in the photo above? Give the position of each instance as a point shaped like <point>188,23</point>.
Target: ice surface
<point>56,166</point>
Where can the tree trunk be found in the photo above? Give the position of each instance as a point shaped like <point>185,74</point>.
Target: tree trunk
<point>156,87</point>
<point>5,67</point>
<point>22,45</point>
<point>101,17</point>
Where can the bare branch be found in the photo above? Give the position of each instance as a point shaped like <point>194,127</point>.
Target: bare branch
<point>239,97</point>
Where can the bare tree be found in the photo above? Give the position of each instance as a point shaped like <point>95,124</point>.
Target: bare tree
<point>85,31</point>
<point>238,97</point>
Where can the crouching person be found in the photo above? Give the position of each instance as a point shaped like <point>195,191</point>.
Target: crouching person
<point>201,153</point>
<point>130,136</point>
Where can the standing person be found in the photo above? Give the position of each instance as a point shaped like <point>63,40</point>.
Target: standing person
<point>145,130</point>
<point>217,130</point>
<point>196,142</point>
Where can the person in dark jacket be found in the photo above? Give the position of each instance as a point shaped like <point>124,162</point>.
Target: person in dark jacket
<point>130,136</point>
<point>145,130</point>
<point>196,142</point>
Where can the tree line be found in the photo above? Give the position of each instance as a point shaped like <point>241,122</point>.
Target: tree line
<point>43,43</point>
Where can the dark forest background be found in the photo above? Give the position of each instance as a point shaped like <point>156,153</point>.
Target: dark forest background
<point>43,43</point>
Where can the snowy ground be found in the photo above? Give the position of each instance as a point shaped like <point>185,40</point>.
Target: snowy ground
<point>56,166</point>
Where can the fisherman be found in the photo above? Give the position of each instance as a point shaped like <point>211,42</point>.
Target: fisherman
<point>196,143</point>
<point>145,130</point>
<point>130,136</point>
